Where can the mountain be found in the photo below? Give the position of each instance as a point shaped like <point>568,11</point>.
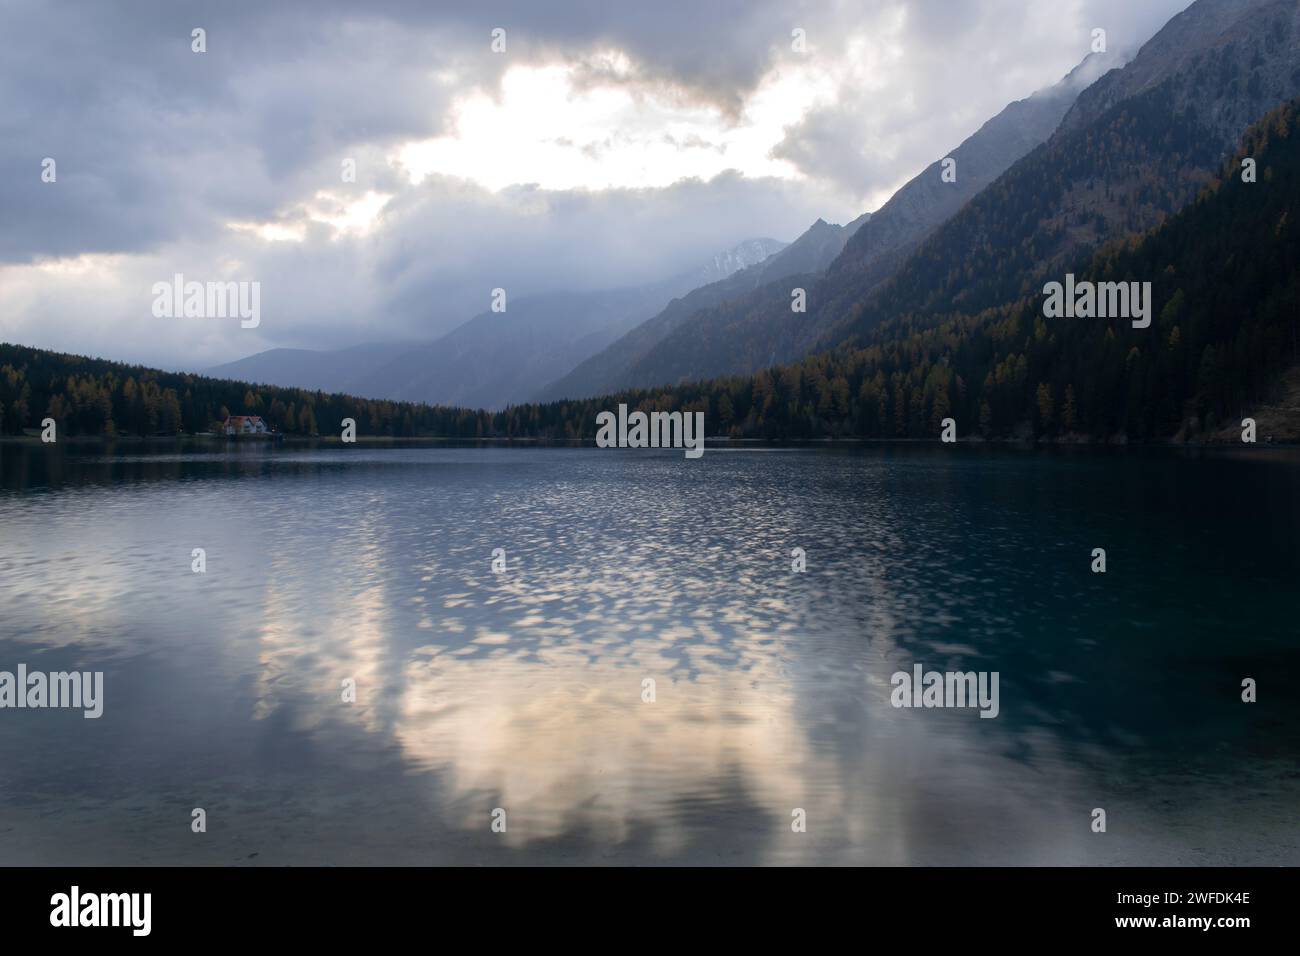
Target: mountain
<point>341,370</point>
<point>608,369</point>
<point>734,260</point>
<point>927,201</point>
<point>1238,53</point>
<point>496,358</point>
<point>748,326</point>
<point>1135,147</point>
<point>1225,329</point>
<point>502,358</point>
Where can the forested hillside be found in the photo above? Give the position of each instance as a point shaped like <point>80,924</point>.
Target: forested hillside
<point>89,396</point>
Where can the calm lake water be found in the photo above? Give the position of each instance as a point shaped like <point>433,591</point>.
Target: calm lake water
<point>523,690</point>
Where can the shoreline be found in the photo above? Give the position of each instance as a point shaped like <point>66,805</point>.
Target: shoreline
<point>715,441</point>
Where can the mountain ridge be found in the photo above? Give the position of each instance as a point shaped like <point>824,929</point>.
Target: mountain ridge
<point>816,247</point>
<point>754,329</point>
<point>1120,167</point>
<point>492,359</point>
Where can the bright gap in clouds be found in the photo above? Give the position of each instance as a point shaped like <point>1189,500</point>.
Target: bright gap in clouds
<point>549,129</point>
<point>345,216</point>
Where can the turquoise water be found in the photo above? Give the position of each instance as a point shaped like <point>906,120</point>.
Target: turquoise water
<point>523,690</point>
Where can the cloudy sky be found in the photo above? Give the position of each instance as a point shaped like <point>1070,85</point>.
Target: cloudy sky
<point>609,143</point>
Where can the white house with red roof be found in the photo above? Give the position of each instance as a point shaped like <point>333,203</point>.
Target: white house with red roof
<point>245,425</point>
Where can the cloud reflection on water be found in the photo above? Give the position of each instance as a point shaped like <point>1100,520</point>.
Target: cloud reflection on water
<point>523,690</point>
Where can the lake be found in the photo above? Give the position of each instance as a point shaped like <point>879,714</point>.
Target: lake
<point>522,696</point>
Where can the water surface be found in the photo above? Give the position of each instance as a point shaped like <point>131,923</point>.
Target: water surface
<point>523,690</point>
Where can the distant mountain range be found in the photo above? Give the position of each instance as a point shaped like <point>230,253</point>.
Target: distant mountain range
<point>347,370</point>
<point>503,358</point>
<point>615,366</point>
<point>496,358</point>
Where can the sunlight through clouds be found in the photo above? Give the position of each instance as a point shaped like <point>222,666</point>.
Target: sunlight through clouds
<point>549,128</point>
<point>356,217</point>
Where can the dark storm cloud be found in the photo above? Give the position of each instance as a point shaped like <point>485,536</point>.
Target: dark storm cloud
<point>153,141</point>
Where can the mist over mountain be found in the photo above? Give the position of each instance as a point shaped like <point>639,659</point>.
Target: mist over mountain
<point>927,200</point>
<point>607,370</point>
<point>736,330</point>
<point>1229,60</point>
<point>496,358</point>
<point>337,370</point>
<point>740,257</point>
